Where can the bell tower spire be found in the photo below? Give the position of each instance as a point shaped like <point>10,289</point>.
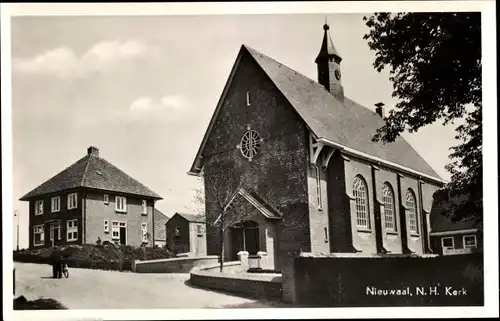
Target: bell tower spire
<point>328,62</point>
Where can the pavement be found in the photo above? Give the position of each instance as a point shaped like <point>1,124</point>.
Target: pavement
<point>98,289</point>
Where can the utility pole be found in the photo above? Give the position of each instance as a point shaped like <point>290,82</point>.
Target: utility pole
<point>16,214</point>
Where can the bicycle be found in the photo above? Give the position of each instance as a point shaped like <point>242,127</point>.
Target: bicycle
<point>65,270</point>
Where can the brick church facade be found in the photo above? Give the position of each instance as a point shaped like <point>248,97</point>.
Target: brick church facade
<point>318,181</point>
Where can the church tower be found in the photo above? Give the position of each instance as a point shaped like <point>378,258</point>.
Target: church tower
<point>328,62</point>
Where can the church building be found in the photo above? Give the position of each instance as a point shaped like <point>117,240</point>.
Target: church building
<point>318,182</point>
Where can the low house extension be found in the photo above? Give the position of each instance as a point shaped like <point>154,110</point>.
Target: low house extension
<point>160,228</point>
<point>91,200</point>
<point>449,237</point>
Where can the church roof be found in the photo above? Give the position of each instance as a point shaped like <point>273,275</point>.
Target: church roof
<point>93,172</point>
<point>347,123</point>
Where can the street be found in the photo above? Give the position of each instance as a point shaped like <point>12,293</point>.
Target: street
<point>97,289</point>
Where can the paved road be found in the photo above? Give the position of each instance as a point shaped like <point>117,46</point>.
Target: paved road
<point>96,289</point>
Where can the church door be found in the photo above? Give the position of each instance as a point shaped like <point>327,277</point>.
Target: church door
<point>236,242</point>
<point>251,240</point>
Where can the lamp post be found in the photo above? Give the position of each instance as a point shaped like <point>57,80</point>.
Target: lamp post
<point>16,214</point>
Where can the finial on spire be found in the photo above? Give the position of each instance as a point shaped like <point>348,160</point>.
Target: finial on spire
<point>326,26</point>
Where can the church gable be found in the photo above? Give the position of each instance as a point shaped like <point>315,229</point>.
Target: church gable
<point>256,138</point>
<point>251,102</point>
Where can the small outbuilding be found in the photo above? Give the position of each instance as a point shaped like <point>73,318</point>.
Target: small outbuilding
<point>186,233</point>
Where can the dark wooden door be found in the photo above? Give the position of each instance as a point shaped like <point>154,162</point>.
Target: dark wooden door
<point>236,242</point>
<point>252,240</point>
<point>123,235</point>
<point>56,234</point>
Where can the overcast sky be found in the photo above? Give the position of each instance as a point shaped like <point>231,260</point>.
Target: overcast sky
<point>143,89</point>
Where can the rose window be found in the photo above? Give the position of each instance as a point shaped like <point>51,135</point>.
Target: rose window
<point>250,144</point>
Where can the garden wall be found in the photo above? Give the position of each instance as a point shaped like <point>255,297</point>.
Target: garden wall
<point>233,280</point>
<point>330,281</point>
<point>173,265</point>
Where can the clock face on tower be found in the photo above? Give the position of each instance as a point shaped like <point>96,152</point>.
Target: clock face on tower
<point>337,74</point>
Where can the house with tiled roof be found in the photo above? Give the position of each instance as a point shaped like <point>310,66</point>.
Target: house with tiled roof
<point>448,236</point>
<point>186,234</point>
<point>90,200</point>
<point>307,151</point>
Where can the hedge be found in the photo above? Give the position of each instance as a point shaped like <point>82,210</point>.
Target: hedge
<point>103,257</point>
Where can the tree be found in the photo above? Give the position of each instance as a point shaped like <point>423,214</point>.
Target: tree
<point>222,194</point>
<point>434,62</point>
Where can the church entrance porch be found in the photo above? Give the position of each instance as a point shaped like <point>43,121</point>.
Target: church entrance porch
<point>244,237</point>
<point>255,237</point>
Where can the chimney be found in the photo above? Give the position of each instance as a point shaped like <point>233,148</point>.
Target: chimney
<point>92,150</point>
<point>380,109</point>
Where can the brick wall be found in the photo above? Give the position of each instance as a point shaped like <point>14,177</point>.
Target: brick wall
<point>248,285</point>
<point>338,207</point>
<point>160,229</point>
<point>174,265</point>
<point>96,212</point>
<point>352,281</point>
<point>318,215</point>
<point>198,241</point>
<point>343,211</point>
<point>277,174</point>
<point>63,215</point>
<point>363,239</point>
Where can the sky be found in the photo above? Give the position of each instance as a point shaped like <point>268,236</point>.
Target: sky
<point>143,90</point>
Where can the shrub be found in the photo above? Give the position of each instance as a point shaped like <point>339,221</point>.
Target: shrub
<point>21,303</point>
<point>106,256</point>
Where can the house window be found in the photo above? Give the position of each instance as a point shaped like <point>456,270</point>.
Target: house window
<point>447,243</point>
<point>72,230</point>
<point>55,203</point>
<point>250,144</point>
<point>72,201</point>
<point>469,241</point>
<point>248,98</point>
<point>318,188</point>
<point>199,229</point>
<point>177,231</point>
<point>360,192</point>
<point>39,207</point>
<point>121,204</point>
<point>144,207</point>
<point>115,230</point>
<point>144,230</point>
<point>389,208</point>
<point>106,199</point>
<point>55,230</point>
<point>326,234</point>
<point>106,226</point>
<point>411,211</point>
<point>38,235</point>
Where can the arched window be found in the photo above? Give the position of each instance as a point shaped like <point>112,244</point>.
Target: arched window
<point>360,193</point>
<point>411,211</point>
<point>389,208</point>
